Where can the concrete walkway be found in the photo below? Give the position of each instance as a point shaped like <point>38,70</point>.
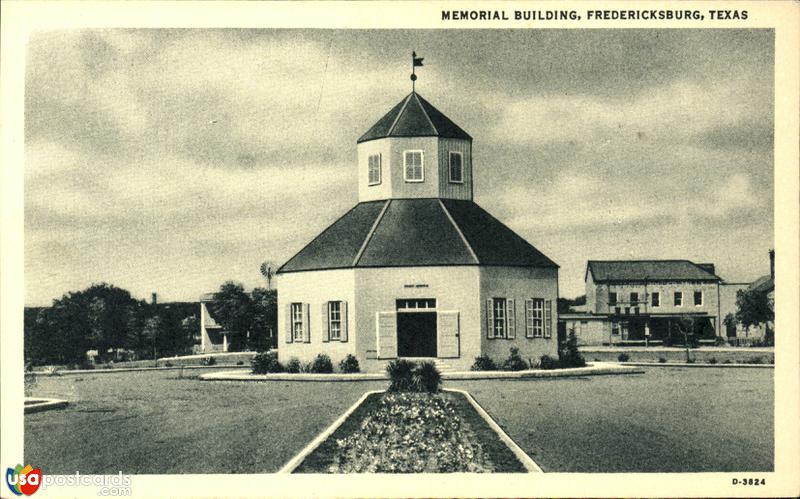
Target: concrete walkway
<point>592,369</point>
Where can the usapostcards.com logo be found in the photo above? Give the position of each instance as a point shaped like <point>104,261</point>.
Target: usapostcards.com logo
<point>23,480</point>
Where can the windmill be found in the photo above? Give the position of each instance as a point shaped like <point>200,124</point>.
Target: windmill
<point>268,270</point>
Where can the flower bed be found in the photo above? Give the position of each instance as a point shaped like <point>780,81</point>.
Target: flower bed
<point>412,433</point>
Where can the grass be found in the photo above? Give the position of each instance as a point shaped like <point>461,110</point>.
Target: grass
<point>491,453</point>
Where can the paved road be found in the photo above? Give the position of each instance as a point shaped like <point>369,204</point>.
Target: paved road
<point>666,420</point>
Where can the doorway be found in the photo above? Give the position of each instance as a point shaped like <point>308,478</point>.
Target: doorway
<point>416,328</point>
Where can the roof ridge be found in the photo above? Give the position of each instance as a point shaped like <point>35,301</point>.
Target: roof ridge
<point>458,229</point>
<point>425,112</point>
<point>371,232</point>
<point>400,113</point>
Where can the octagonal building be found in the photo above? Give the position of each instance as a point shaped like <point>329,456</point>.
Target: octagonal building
<point>416,269</point>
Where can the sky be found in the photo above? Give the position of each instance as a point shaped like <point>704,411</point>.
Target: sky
<point>171,161</point>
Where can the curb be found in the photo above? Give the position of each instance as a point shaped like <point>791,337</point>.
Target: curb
<point>524,458</point>
<point>697,364</point>
<point>44,404</point>
<point>294,462</point>
<point>129,370</point>
<point>593,369</point>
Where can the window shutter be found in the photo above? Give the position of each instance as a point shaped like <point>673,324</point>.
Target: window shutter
<point>326,332</point>
<point>548,319</point>
<point>489,319</point>
<point>448,338</point>
<point>511,323</point>
<point>529,318</point>
<point>343,316</point>
<point>386,323</point>
<point>287,322</point>
<point>306,322</point>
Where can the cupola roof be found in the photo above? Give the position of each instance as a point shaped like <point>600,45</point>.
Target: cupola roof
<point>414,117</point>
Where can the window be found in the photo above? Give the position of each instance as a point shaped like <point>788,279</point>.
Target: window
<point>335,320</point>
<point>297,321</point>
<point>678,299</point>
<point>698,298</point>
<point>617,310</point>
<point>627,310</point>
<point>534,318</point>
<point>635,310</point>
<point>612,299</point>
<point>584,327</point>
<point>374,169</point>
<point>634,298</point>
<point>615,328</point>
<point>456,168</point>
<point>656,299</point>
<point>414,304</point>
<point>412,166</point>
<point>499,314</point>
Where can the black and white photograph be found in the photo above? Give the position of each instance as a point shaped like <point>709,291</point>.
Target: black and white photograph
<point>464,251</point>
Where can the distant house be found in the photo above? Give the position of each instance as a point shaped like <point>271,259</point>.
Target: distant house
<point>416,269</point>
<point>643,302</point>
<point>739,334</point>
<point>213,338</point>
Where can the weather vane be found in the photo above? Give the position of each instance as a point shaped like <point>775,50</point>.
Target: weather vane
<point>415,61</point>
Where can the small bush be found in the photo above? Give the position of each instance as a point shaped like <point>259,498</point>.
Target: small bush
<point>321,364</point>
<point>483,363</point>
<point>712,360</point>
<point>167,364</point>
<point>569,356</point>
<point>208,361</point>
<point>754,360</point>
<point>240,363</point>
<point>293,366</point>
<point>623,357</point>
<point>266,362</point>
<point>662,360</point>
<point>720,341</point>
<point>426,378</point>
<point>547,362</point>
<point>514,362</point>
<point>727,361</point>
<point>349,364</point>
<point>400,375</point>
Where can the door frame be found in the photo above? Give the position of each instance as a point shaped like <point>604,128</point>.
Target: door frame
<point>425,308</point>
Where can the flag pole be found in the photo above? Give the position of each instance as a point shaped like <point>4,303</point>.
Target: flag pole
<point>413,73</point>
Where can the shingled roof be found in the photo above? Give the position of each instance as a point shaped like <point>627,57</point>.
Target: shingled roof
<point>414,117</point>
<point>416,232</point>
<point>649,270</point>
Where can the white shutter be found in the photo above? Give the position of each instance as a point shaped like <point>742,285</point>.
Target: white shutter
<point>448,335</point>
<point>323,321</point>
<point>287,321</point>
<point>343,317</point>
<point>511,322</point>
<point>306,323</point>
<point>489,319</point>
<point>386,325</point>
<point>529,318</point>
<point>548,319</point>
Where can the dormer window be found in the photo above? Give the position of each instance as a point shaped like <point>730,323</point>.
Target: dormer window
<point>456,168</point>
<point>413,168</point>
<point>374,169</point>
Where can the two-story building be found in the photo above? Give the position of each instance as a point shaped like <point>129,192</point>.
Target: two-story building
<point>646,302</point>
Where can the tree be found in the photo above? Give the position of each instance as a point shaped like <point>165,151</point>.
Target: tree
<point>687,325</point>
<point>730,325</point>
<point>264,329</point>
<point>753,308</point>
<point>232,308</point>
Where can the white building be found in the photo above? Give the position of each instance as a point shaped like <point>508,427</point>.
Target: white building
<point>416,269</point>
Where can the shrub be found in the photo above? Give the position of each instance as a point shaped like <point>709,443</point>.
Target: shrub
<point>208,361</point>
<point>321,364</point>
<point>400,375</point>
<point>167,364</point>
<point>514,362</point>
<point>266,362</point>
<point>483,363</point>
<point>569,356</point>
<point>662,360</point>
<point>754,360</point>
<point>240,363</point>
<point>623,357</point>
<point>712,360</point>
<point>426,378</point>
<point>727,361</point>
<point>349,364</point>
<point>293,366</point>
<point>547,362</point>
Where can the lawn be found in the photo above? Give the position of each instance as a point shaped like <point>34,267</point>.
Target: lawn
<point>153,422</point>
<point>666,420</point>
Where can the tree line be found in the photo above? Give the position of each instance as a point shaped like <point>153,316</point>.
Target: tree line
<point>108,320</point>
